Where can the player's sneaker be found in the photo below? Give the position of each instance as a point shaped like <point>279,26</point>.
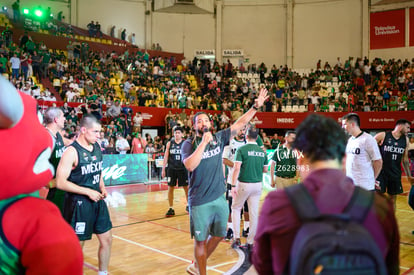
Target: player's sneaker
<point>245,232</point>
<point>236,243</point>
<point>229,235</point>
<point>192,269</point>
<point>170,213</point>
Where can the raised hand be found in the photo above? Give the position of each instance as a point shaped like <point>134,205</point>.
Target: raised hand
<point>259,101</point>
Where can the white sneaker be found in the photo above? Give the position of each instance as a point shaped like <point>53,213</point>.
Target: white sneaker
<point>192,269</point>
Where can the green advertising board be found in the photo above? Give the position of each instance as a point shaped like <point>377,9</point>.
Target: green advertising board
<point>125,169</point>
<point>133,168</point>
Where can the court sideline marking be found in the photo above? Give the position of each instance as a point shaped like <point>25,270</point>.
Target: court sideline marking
<point>162,252</point>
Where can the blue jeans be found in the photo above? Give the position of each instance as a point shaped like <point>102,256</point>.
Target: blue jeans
<point>15,73</point>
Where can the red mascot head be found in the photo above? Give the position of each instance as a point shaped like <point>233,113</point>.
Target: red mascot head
<point>25,145</point>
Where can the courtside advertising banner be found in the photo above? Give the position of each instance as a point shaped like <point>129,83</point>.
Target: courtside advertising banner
<point>387,29</point>
<point>125,169</point>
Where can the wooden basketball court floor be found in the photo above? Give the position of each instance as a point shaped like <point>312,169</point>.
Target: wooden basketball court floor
<point>146,242</point>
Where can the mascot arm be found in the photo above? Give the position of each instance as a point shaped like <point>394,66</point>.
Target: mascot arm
<point>48,245</point>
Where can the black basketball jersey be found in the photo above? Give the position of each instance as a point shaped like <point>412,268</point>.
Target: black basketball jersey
<point>392,151</point>
<point>58,150</point>
<point>88,171</point>
<point>174,156</point>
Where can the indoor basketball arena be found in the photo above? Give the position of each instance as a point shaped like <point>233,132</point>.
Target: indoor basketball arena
<point>207,137</point>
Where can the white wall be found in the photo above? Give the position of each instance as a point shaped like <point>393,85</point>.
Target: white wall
<point>258,30</point>
<point>183,32</point>
<point>326,31</point>
<point>397,53</point>
<point>123,14</point>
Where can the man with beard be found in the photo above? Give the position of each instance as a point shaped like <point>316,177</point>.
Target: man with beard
<point>202,157</point>
<point>394,149</point>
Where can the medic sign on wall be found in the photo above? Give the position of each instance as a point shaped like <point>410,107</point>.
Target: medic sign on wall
<point>387,29</point>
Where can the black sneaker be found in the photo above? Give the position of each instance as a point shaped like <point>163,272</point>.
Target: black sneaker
<point>229,235</point>
<point>245,232</point>
<point>236,243</point>
<point>170,213</point>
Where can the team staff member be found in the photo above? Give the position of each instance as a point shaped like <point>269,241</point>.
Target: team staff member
<point>322,142</point>
<point>283,164</point>
<point>202,157</point>
<point>54,120</point>
<point>228,160</point>
<point>176,168</point>
<point>249,166</point>
<point>80,175</point>
<point>394,149</point>
<point>363,158</point>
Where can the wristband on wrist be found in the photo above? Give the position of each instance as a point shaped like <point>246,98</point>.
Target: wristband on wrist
<point>254,107</point>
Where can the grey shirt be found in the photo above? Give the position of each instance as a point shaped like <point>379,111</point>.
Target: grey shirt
<point>206,182</point>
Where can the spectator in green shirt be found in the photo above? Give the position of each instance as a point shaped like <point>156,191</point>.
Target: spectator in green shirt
<point>283,164</point>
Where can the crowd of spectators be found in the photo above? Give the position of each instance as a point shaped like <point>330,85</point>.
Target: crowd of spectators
<point>120,81</point>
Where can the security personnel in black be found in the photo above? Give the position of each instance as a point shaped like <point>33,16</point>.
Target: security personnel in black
<point>176,169</point>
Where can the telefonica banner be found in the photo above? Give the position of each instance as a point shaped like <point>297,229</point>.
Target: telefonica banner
<point>387,29</point>
<point>125,169</point>
<point>233,52</point>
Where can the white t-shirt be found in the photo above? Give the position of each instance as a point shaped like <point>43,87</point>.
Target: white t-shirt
<point>36,92</point>
<point>229,153</point>
<point>15,62</point>
<point>360,152</point>
<point>120,145</point>
<point>69,95</point>
<point>137,120</point>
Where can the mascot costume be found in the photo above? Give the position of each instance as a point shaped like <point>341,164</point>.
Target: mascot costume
<point>34,238</point>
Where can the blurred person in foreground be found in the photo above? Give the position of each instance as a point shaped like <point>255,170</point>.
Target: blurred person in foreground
<point>323,143</point>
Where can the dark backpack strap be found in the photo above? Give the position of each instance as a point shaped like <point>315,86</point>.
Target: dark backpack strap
<point>302,202</point>
<point>360,203</point>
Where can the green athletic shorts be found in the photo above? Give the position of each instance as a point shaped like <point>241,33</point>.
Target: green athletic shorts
<point>209,219</point>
